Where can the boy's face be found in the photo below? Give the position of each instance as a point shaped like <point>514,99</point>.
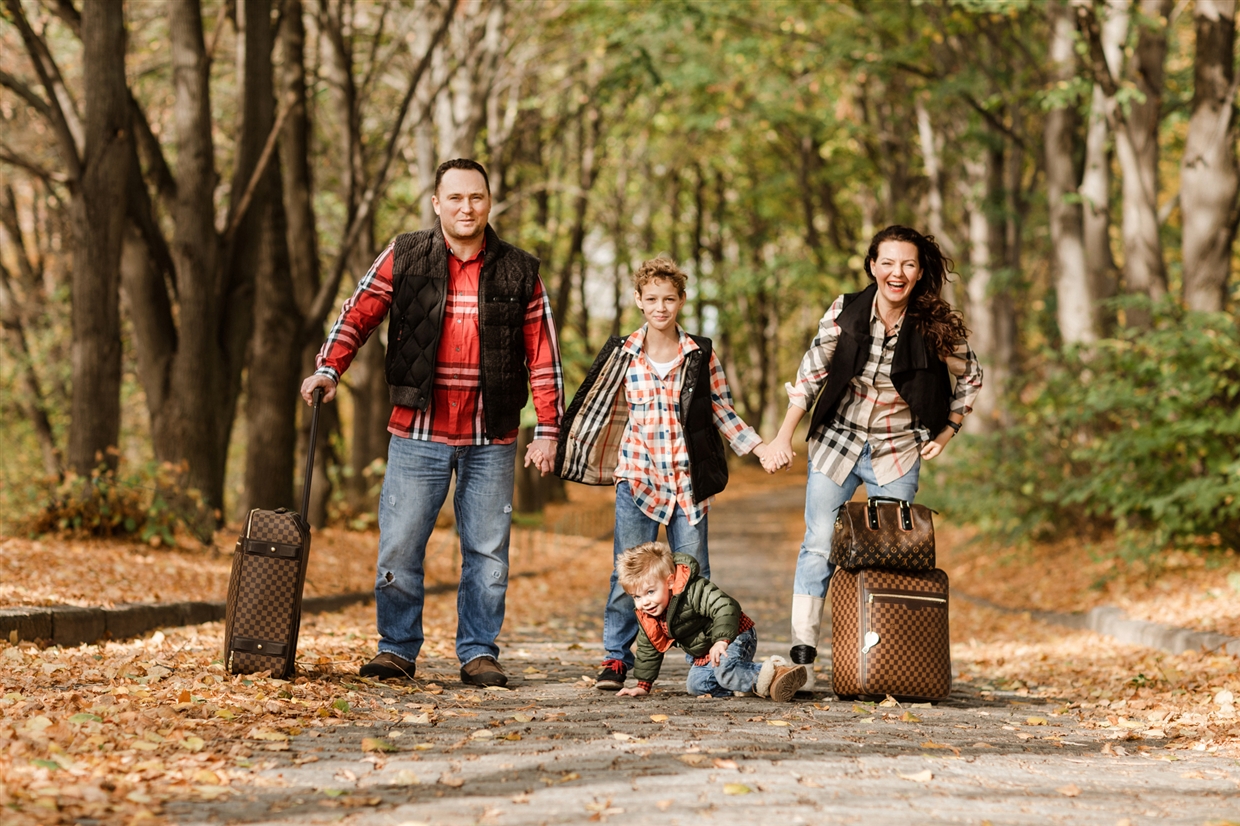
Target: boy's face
<point>652,595</point>
<point>660,303</point>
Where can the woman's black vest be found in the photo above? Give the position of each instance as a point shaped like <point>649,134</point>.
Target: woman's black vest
<point>919,376</point>
<point>419,294</point>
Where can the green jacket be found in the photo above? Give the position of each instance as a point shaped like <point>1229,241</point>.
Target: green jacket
<point>698,615</point>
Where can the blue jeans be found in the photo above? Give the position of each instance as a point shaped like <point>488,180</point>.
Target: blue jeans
<point>414,489</point>
<point>633,528</point>
<point>823,497</point>
<point>736,671</point>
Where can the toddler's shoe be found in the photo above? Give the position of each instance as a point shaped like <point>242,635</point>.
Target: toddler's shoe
<point>611,678</point>
<point>778,680</point>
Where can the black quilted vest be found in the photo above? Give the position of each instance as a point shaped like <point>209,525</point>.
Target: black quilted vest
<point>920,376</point>
<point>419,293</point>
<point>708,461</point>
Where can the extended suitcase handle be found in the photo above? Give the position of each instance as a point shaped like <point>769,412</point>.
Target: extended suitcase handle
<point>314,438</point>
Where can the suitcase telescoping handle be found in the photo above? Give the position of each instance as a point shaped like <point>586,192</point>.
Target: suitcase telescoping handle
<point>314,437</point>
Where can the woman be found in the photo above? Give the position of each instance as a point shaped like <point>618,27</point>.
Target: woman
<point>879,368</point>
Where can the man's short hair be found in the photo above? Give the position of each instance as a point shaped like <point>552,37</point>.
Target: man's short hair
<point>660,267</point>
<point>641,563</point>
<point>462,163</point>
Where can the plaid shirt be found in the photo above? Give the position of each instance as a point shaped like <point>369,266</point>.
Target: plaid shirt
<point>654,458</point>
<point>872,411</point>
<point>454,416</point>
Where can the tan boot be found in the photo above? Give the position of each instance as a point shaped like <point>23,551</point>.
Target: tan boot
<point>788,679</point>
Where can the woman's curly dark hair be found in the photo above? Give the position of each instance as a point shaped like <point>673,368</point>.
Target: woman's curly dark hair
<point>940,325</point>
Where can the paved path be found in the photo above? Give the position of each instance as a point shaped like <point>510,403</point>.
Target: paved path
<point>553,750</point>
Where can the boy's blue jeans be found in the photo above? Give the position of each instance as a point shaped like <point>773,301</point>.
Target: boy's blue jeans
<point>414,489</point>
<point>633,528</point>
<point>823,497</point>
<point>736,672</point>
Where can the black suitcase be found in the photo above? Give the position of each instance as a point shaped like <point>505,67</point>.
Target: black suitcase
<point>890,634</point>
<point>263,613</point>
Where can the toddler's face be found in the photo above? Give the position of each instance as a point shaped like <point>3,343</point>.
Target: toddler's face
<point>652,595</point>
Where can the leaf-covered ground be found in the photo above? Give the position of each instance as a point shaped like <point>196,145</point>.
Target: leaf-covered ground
<point>110,732</point>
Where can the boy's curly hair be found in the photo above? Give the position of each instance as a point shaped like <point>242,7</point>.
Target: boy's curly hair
<point>660,267</point>
<point>644,562</point>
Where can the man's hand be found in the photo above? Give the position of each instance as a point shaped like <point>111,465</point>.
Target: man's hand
<point>541,453</point>
<point>635,691</point>
<point>718,651</point>
<point>317,380</point>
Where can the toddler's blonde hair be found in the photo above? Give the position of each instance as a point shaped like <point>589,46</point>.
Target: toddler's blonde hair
<point>641,563</point>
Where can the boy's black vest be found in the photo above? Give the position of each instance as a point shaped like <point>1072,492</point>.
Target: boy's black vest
<point>419,294</point>
<point>919,376</point>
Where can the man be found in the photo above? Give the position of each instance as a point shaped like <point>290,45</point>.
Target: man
<point>470,325</point>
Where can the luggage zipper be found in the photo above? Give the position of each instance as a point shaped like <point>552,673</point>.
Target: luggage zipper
<point>901,597</point>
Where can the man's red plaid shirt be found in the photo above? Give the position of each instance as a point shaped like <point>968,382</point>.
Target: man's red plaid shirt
<point>454,416</point>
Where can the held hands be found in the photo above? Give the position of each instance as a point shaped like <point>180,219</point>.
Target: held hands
<point>541,453</point>
<point>316,380</point>
<point>778,455</point>
<point>635,691</point>
<point>718,651</point>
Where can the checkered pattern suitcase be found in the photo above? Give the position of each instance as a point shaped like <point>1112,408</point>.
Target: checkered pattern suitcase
<point>263,613</point>
<point>889,634</point>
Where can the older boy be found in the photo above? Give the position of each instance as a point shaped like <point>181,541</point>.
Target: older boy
<point>677,606</point>
<point>648,419</point>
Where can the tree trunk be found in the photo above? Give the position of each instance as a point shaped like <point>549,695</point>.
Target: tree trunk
<point>275,349</point>
<point>1075,302</point>
<point>1208,178</point>
<point>1136,144</point>
<point>99,222</point>
<point>32,398</point>
<point>934,197</point>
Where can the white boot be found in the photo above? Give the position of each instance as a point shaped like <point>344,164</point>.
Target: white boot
<point>806,623</point>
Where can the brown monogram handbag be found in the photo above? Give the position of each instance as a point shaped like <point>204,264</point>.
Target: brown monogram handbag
<point>883,533</point>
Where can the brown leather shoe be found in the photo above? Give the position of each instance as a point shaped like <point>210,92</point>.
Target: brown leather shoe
<point>484,672</point>
<point>388,666</point>
<point>786,682</point>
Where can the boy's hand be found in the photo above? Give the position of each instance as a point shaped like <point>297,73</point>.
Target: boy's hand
<point>635,691</point>
<point>541,453</point>
<point>718,651</point>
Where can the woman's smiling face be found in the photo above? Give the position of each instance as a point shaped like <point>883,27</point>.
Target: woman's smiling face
<point>896,269</point>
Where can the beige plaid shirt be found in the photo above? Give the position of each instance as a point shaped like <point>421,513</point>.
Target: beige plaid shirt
<point>872,411</point>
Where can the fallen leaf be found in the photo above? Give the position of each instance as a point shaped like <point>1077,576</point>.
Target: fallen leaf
<point>930,744</point>
<point>266,734</point>
<point>720,763</point>
<point>693,759</point>
<point>404,777</point>
<point>924,776</point>
<point>889,702</point>
<point>1035,721</point>
<point>193,743</point>
<point>83,717</point>
<point>423,719</point>
<point>909,717</point>
<point>522,718</point>
<point>862,709</point>
<point>664,805</point>
<point>453,780</point>
<point>377,744</point>
<point>659,718</point>
<point>620,735</point>
<point>482,734</point>
<point>570,777</point>
<point>736,788</point>
<point>1070,790</point>
<point>777,722</point>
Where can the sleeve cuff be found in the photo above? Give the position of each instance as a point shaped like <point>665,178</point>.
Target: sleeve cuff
<point>547,431</point>
<point>745,441</point>
<point>330,372</point>
<point>795,396</point>
<point>646,685</point>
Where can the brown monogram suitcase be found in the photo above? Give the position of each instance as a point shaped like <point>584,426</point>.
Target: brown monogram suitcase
<point>263,613</point>
<point>889,634</point>
<point>883,533</point>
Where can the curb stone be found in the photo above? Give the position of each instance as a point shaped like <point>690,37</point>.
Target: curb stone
<point>69,625</point>
<point>1113,622</point>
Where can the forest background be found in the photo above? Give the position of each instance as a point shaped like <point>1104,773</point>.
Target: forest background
<point>190,188</point>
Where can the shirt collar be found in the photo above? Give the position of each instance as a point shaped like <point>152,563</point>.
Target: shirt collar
<point>480,254</point>
<point>875,319</point>
<point>637,339</point>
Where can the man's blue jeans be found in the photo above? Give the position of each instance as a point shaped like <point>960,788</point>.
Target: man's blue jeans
<point>736,672</point>
<point>823,497</point>
<point>414,489</point>
<point>634,528</point>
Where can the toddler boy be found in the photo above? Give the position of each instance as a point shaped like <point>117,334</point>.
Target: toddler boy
<point>677,606</point>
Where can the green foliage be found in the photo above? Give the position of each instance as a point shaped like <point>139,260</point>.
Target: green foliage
<point>149,504</point>
<point>1141,432</point>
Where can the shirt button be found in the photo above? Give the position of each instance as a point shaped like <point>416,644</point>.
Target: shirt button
<point>454,404</point>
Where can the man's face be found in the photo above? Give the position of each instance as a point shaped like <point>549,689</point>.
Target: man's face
<point>462,204</point>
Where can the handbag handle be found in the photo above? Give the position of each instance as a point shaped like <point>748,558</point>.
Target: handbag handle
<point>871,511</point>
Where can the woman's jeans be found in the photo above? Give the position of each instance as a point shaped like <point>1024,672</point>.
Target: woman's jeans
<point>823,497</point>
<point>414,489</point>
<point>634,528</point>
<point>736,672</point>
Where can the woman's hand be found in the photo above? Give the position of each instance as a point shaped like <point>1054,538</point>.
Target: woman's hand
<point>931,449</point>
<point>718,651</point>
<point>635,691</point>
<point>779,454</point>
